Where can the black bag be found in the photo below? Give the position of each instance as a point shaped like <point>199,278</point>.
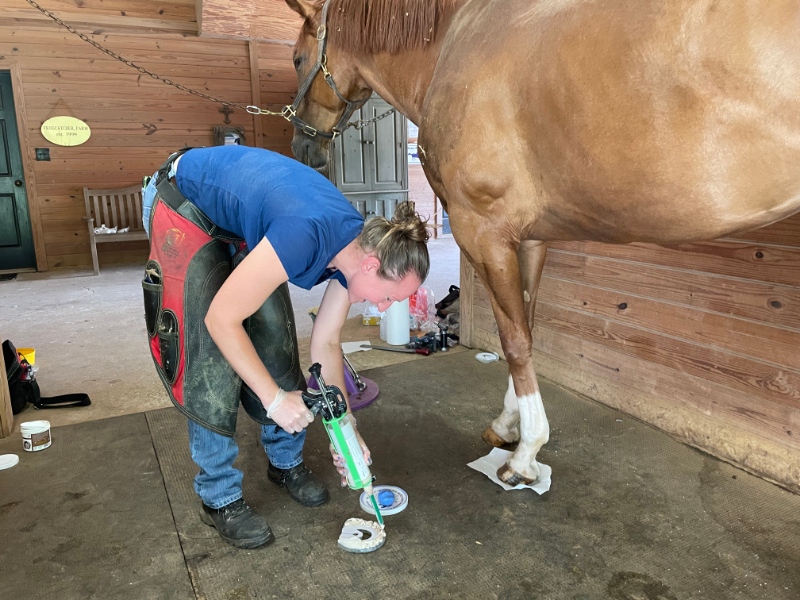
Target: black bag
<point>450,303</point>
<point>23,387</point>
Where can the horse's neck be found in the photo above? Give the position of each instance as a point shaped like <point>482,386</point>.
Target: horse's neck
<point>402,79</point>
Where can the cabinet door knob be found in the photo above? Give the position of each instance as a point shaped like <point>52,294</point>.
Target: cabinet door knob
<point>18,183</point>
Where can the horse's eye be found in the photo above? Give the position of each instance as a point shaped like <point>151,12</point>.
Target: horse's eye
<point>297,62</point>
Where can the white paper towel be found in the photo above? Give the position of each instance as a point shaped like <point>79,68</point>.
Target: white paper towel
<point>398,330</point>
<point>489,464</point>
<point>350,347</point>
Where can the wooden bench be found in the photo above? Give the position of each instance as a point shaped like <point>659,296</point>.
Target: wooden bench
<point>118,208</point>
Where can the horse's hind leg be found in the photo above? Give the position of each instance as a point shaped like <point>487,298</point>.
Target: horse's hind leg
<point>530,256</point>
<point>497,264</point>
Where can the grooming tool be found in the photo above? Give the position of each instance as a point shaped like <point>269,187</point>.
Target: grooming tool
<point>423,351</point>
<point>330,404</point>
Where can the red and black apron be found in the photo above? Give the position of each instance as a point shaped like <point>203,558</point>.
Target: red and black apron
<point>190,259</point>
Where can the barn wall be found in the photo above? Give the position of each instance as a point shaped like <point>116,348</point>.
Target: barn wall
<point>136,122</point>
<point>701,340</point>
<point>420,192</point>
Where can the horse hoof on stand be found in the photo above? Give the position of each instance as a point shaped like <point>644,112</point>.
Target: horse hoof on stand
<point>491,438</point>
<point>508,475</point>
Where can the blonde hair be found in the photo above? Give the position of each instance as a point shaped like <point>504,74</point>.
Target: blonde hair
<point>399,244</point>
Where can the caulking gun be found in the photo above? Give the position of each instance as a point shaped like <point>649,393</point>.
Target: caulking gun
<point>330,404</point>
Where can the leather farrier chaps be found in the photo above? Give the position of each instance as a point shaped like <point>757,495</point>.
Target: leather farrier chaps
<point>190,259</point>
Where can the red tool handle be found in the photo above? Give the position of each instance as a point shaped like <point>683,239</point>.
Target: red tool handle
<point>423,351</point>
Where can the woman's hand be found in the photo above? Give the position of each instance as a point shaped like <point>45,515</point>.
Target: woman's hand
<point>292,415</point>
<point>338,459</point>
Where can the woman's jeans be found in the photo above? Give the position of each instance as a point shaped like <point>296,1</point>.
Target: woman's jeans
<point>218,483</point>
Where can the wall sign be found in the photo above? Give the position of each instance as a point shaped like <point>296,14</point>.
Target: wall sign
<point>65,131</point>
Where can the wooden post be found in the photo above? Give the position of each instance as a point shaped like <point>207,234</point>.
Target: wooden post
<point>6,416</point>
<point>255,87</point>
<point>27,165</point>
<point>465,300</point>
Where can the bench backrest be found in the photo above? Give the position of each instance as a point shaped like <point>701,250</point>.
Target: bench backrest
<point>115,208</point>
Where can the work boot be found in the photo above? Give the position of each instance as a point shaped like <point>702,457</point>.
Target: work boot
<point>304,487</point>
<point>238,524</point>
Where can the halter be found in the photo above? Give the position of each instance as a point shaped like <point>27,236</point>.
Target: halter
<point>290,112</point>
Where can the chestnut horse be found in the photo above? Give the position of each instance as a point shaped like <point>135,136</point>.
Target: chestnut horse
<point>615,121</point>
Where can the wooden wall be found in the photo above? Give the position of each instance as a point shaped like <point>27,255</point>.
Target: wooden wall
<point>701,340</point>
<point>278,85</point>
<point>136,121</point>
<point>421,193</point>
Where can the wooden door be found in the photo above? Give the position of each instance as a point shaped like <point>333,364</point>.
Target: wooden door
<point>16,239</point>
<point>370,166</point>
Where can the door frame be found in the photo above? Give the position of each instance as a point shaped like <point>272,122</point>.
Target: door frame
<point>15,69</point>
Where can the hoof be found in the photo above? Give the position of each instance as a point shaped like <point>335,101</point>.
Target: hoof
<point>491,438</point>
<point>509,476</point>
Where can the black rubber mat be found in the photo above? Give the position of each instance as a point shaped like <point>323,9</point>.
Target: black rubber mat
<point>88,517</point>
<point>632,514</point>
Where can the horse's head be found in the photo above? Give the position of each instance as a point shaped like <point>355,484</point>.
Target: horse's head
<point>324,104</point>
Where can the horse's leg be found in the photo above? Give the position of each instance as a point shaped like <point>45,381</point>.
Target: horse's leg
<point>497,264</point>
<point>530,256</point>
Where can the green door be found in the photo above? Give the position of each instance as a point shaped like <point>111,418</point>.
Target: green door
<point>16,239</point>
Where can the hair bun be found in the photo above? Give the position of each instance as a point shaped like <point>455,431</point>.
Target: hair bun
<point>409,223</point>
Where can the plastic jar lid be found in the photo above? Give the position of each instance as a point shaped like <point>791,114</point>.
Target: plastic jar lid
<point>30,427</point>
<point>8,460</point>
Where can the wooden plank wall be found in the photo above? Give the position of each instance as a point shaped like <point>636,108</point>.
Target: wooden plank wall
<point>701,340</point>
<point>278,88</point>
<point>175,16</point>
<point>421,193</point>
<point>135,120</point>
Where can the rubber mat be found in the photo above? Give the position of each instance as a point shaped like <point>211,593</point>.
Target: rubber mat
<point>632,514</point>
<point>88,517</point>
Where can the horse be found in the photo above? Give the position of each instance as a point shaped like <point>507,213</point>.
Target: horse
<point>616,121</point>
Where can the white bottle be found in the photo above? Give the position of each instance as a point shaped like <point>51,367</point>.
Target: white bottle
<point>398,331</point>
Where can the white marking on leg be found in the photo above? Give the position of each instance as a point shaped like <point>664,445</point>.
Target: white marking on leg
<point>535,434</point>
<point>507,424</point>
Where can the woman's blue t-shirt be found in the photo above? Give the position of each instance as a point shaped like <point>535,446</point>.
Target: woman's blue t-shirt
<point>256,193</point>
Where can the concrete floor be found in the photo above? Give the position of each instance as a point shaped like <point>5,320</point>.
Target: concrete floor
<point>109,513</point>
<point>90,337</point>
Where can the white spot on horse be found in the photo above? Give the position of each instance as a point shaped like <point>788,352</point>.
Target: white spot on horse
<point>523,418</point>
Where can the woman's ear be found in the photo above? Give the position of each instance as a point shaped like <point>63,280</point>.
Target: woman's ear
<point>370,263</point>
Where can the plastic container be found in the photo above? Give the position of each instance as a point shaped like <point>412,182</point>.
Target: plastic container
<point>35,435</point>
<point>398,330</point>
<point>371,315</point>
<point>28,354</point>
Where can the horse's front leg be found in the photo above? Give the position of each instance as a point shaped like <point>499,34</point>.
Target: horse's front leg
<point>498,265</point>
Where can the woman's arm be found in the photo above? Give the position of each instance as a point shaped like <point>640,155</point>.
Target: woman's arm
<point>326,349</point>
<point>326,346</point>
<point>242,294</point>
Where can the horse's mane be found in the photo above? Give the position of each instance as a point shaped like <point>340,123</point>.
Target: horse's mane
<point>385,25</point>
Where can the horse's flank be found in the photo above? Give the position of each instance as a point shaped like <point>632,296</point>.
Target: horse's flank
<point>376,26</point>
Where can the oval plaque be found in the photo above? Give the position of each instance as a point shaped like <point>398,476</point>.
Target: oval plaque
<point>65,131</point>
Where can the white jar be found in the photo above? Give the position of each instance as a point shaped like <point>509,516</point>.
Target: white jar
<point>35,435</point>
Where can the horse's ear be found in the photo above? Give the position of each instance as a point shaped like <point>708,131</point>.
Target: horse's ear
<point>304,8</point>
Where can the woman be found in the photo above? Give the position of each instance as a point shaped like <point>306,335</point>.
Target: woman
<point>213,326</point>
